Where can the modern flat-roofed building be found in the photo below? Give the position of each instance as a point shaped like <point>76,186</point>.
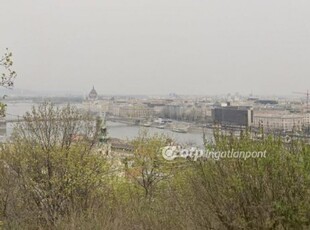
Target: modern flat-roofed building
<point>233,115</point>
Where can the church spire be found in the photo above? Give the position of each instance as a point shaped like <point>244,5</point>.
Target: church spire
<point>102,129</point>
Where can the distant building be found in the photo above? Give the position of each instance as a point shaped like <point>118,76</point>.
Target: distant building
<point>252,98</point>
<point>306,119</point>
<point>173,111</point>
<point>266,102</point>
<point>233,115</point>
<point>135,111</point>
<point>279,121</point>
<point>91,102</point>
<point>93,95</point>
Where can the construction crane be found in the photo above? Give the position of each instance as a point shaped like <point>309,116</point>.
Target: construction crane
<point>307,95</point>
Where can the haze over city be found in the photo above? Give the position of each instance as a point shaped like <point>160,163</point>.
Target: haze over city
<point>162,114</point>
<point>158,47</point>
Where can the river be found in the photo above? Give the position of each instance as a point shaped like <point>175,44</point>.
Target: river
<point>115,129</point>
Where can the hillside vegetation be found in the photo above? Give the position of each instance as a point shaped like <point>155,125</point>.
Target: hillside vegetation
<point>48,181</point>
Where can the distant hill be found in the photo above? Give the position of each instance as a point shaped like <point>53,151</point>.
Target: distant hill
<point>32,93</point>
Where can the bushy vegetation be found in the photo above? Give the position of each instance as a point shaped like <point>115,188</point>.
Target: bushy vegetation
<point>7,76</point>
<point>52,178</point>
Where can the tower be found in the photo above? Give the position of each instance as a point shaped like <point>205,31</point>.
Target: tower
<point>103,132</point>
<point>103,139</point>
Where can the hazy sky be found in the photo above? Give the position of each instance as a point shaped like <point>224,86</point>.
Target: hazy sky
<point>159,46</point>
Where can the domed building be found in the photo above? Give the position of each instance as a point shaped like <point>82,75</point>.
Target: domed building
<point>93,95</point>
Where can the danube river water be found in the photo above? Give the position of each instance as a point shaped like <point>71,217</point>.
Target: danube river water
<point>115,129</point>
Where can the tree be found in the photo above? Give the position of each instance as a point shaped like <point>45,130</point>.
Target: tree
<point>257,193</point>
<point>7,77</point>
<point>148,167</point>
<point>54,165</point>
